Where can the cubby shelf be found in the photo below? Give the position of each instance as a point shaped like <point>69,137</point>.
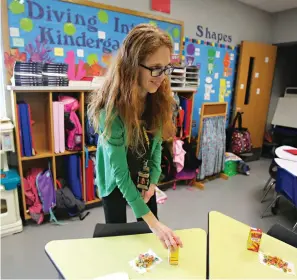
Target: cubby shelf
<point>40,154</point>
<point>41,104</point>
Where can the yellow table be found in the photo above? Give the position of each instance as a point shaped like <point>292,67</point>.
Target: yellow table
<point>229,257</point>
<point>91,258</point>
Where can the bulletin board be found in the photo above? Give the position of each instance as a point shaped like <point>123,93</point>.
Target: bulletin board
<point>217,64</point>
<point>78,32</point>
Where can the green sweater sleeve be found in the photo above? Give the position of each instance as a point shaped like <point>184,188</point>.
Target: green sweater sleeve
<point>155,162</point>
<point>115,147</point>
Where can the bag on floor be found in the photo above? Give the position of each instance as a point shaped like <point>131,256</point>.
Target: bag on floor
<point>67,203</point>
<point>32,197</point>
<point>72,123</point>
<point>241,138</point>
<point>47,193</point>
<point>74,175</point>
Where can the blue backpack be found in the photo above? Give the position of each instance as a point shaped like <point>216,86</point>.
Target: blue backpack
<point>91,137</point>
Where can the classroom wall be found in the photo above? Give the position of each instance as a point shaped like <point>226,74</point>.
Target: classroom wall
<point>285,27</point>
<point>230,17</point>
<point>284,76</point>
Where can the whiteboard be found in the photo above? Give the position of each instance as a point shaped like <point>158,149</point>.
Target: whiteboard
<point>286,112</point>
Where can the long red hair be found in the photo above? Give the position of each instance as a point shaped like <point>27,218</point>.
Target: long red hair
<point>120,89</point>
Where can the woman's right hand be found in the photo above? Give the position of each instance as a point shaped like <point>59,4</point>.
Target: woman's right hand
<point>164,233</point>
<point>168,238</point>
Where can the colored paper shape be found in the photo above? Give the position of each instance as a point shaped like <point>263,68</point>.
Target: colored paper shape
<point>80,53</point>
<point>14,32</point>
<point>258,91</point>
<point>218,54</point>
<point>257,75</point>
<point>216,76</point>
<point>59,51</point>
<point>207,92</point>
<point>241,86</point>
<point>190,60</point>
<point>101,35</point>
<point>18,42</point>
<point>223,90</point>
<point>161,6</point>
<point>197,51</point>
<point>266,59</point>
<point>191,49</point>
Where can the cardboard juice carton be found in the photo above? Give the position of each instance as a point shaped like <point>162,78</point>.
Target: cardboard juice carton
<point>173,256</point>
<point>254,239</point>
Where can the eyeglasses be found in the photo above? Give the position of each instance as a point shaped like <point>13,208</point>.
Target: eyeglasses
<point>157,72</point>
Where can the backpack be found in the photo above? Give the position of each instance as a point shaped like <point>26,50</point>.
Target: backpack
<point>72,123</point>
<point>167,165</point>
<point>91,137</point>
<point>31,195</point>
<point>66,202</point>
<point>47,193</point>
<point>240,137</point>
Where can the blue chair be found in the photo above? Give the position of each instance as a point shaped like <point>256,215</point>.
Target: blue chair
<point>271,181</point>
<point>286,186</point>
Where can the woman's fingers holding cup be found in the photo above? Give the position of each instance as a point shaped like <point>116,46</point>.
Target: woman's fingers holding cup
<point>173,245</point>
<point>178,240</point>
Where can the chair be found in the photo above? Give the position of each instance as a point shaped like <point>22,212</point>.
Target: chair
<point>283,234</point>
<point>271,181</point>
<point>105,230</point>
<point>286,186</point>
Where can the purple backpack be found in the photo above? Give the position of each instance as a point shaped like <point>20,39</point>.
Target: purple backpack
<point>47,193</point>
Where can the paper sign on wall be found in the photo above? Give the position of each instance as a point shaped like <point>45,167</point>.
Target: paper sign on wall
<point>266,59</point>
<point>18,42</point>
<point>14,32</point>
<point>176,46</point>
<point>197,52</point>
<point>59,51</point>
<point>258,91</point>
<point>101,35</point>
<point>216,75</point>
<point>241,86</point>
<point>80,53</point>
<point>257,75</point>
<point>218,54</point>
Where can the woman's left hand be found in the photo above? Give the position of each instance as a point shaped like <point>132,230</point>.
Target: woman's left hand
<point>149,193</point>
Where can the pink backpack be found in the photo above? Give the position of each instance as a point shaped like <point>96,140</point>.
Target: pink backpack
<point>31,195</point>
<point>72,123</point>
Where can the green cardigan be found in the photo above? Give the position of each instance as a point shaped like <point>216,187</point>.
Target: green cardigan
<point>112,168</point>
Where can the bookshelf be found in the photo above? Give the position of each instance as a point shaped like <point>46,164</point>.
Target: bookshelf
<point>41,103</point>
<point>40,100</point>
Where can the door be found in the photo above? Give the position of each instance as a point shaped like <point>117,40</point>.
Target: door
<point>253,87</point>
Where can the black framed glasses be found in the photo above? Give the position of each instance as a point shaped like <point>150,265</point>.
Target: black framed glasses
<point>158,71</point>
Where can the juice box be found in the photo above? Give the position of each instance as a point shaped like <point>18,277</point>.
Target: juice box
<point>173,256</point>
<point>254,239</point>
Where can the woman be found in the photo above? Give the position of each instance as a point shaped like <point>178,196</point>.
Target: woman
<point>133,112</point>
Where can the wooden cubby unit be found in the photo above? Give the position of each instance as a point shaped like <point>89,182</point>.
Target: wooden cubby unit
<point>40,100</point>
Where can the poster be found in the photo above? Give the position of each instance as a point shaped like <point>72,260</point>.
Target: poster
<point>217,63</point>
<point>57,31</point>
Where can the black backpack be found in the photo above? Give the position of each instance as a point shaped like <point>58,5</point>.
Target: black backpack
<point>66,203</point>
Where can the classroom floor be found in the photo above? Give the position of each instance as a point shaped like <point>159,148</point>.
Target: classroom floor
<point>23,256</point>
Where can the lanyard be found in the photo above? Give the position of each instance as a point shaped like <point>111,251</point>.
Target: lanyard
<point>147,140</point>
